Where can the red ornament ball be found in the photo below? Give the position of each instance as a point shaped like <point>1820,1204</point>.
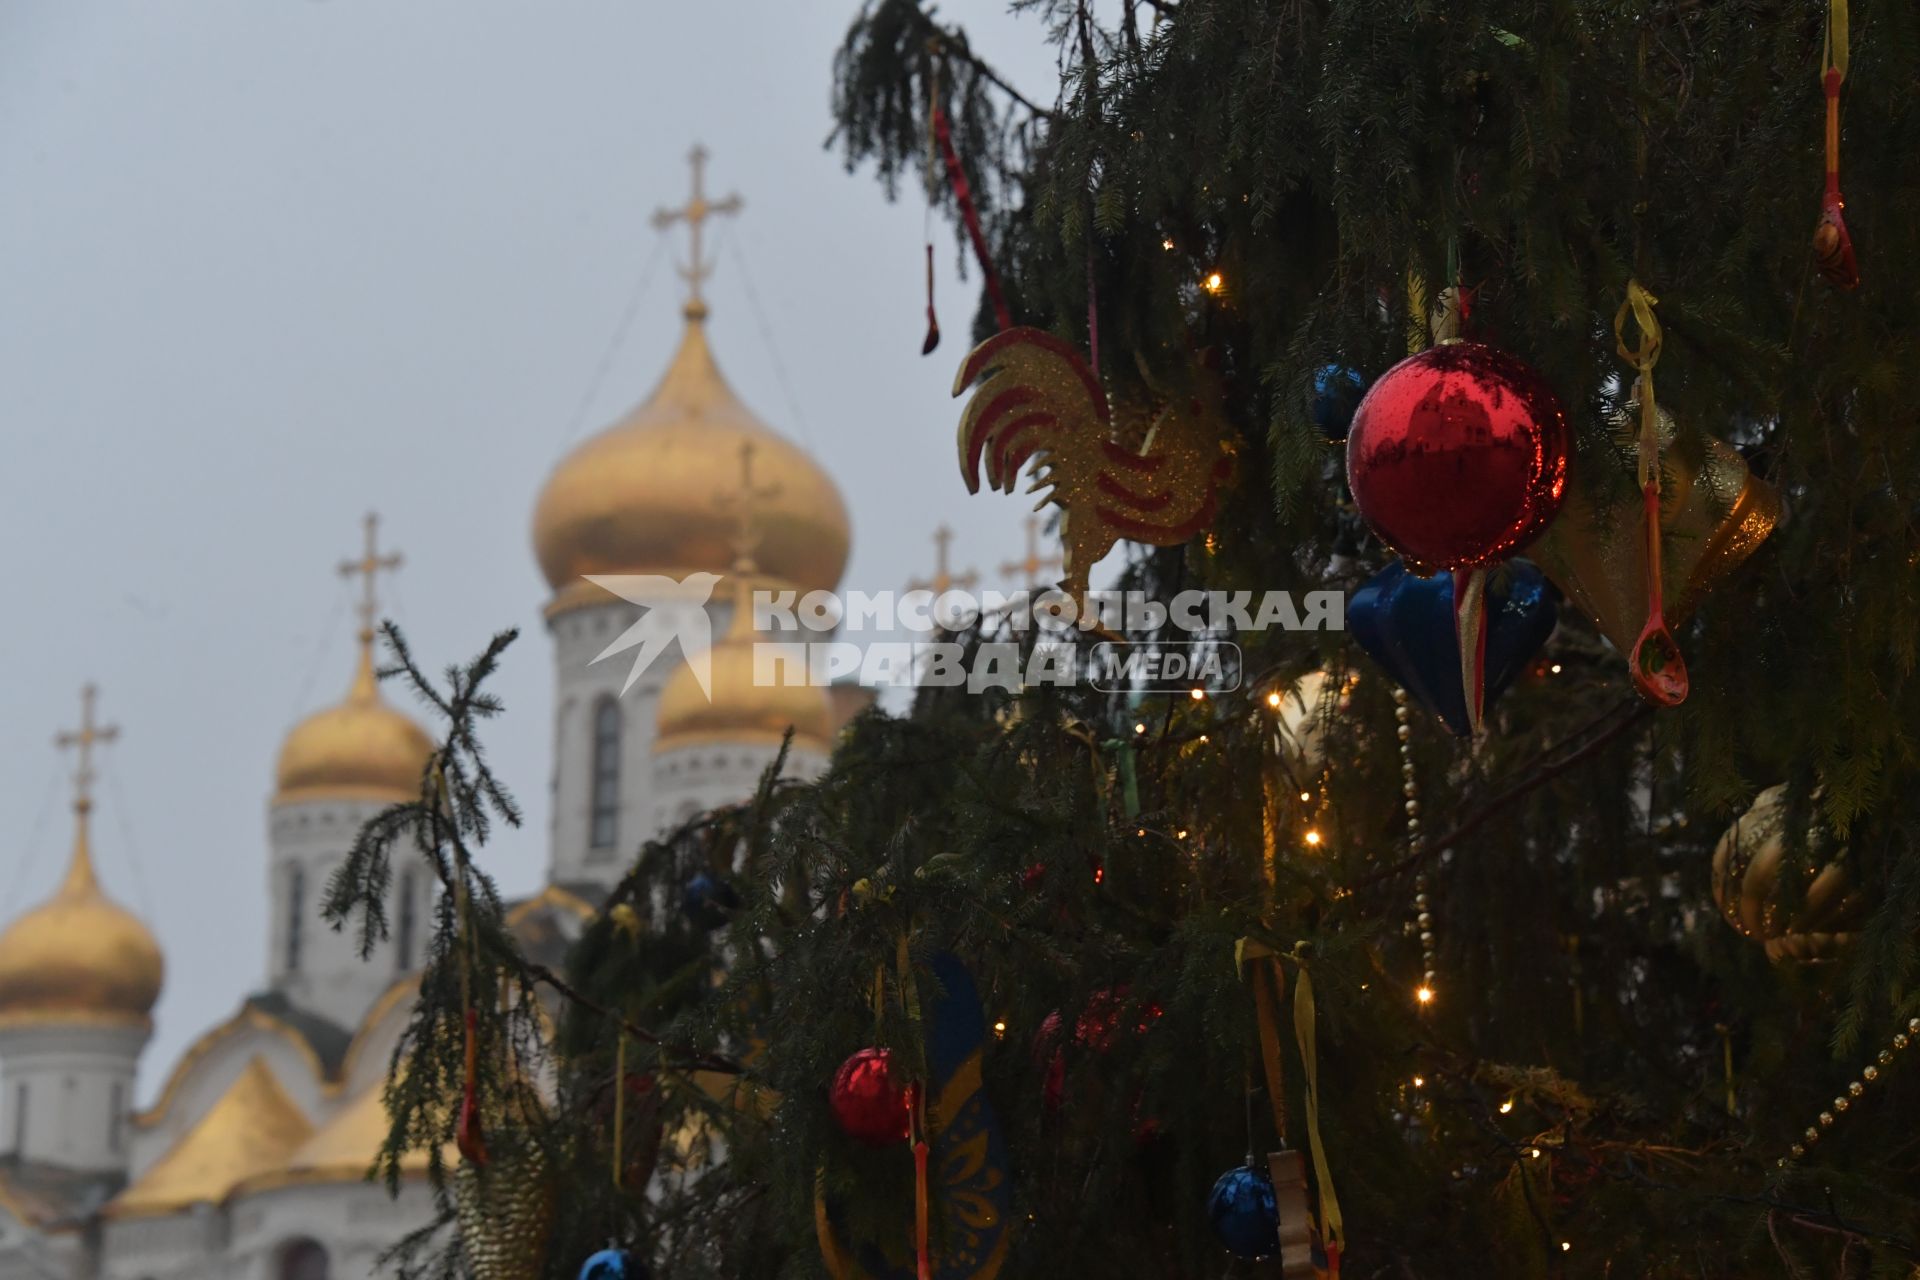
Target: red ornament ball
<point>1458,457</point>
<point>869,1104</point>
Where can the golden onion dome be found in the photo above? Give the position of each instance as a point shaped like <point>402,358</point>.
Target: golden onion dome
<point>653,492</point>
<point>734,707</point>
<point>360,749</point>
<point>80,956</point>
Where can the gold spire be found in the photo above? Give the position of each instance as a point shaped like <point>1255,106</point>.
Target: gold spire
<point>1026,572</point>
<point>80,876</point>
<point>695,213</point>
<point>944,578</point>
<point>367,568</point>
<point>362,748</point>
<point>79,956</point>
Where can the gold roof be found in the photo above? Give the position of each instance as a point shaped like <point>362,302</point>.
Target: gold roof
<point>649,494</point>
<point>251,1130</point>
<point>361,749</point>
<point>739,708</point>
<point>344,1148</point>
<point>80,956</point>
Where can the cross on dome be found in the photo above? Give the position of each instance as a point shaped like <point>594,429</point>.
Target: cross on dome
<point>944,578</point>
<point>695,213</point>
<point>82,740</point>
<point>367,568</point>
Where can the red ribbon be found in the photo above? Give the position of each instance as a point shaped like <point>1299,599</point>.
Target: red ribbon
<point>468,1138</point>
<point>963,196</point>
<point>922,1209</point>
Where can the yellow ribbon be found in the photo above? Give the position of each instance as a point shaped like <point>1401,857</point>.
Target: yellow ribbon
<point>1640,305</point>
<point>1268,985</point>
<point>1332,1227</point>
<point>1416,312</point>
<point>1835,55</point>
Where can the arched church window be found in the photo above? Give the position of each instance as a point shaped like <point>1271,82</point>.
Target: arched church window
<point>303,1260</point>
<point>404,922</point>
<point>606,773</point>
<point>296,908</point>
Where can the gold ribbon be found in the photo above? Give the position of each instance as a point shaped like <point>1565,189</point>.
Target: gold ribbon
<point>1640,304</point>
<point>1268,984</point>
<point>1332,1226</point>
<point>1835,55</point>
<point>1416,312</point>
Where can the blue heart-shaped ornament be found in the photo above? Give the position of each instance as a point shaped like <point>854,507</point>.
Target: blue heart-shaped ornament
<point>1406,624</point>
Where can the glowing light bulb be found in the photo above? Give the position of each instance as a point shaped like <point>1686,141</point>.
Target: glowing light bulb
<point>1424,995</point>
<point>1197,694</point>
<point>1313,836</point>
<point>1215,282</point>
<point>1166,242</point>
<point>999,1029</point>
<point>1139,728</point>
<point>1506,1106</point>
<point>1273,698</point>
<point>1306,795</point>
<point>1555,668</point>
<point>1419,1082</point>
<point>1566,1246</point>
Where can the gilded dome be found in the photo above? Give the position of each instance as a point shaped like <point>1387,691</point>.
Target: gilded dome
<point>80,956</point>
<point>740,709</point>
<point>360,749</point>
<point>652,493</point>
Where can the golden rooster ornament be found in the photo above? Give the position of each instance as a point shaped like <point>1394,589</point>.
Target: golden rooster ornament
<point>1148,472</point>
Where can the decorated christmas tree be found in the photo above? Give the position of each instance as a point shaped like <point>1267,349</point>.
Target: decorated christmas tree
<point>1556,916</point>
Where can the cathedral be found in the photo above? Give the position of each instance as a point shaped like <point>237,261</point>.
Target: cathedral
<point>250,1162</point>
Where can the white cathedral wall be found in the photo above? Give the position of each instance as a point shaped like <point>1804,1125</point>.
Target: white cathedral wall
<point>27,1253</point>
<point>173,1247</point>
<point>78,1083</point>
<point>580,684</point>
<point>355,1222</point>
<point>328,977</point>
<point>691,779</point>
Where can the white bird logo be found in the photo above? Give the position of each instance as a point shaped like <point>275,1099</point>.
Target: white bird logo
<point>672,609</point>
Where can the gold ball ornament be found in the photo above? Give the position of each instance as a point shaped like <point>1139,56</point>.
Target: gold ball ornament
<point>1747,866</point>
<point>505,1213</point>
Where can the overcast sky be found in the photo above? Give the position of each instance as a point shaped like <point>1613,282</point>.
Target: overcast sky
<point>267,264</point>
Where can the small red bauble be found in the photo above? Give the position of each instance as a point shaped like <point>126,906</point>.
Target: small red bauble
<point>1458,457</point>
<point>868,1103</point>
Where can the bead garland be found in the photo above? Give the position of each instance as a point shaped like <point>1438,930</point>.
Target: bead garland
<point>1416,843</point>
<point>1856,1087</point>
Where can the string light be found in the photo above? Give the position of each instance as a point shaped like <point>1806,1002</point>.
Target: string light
<point>1215,282</point>
<point>1506,1106</point>
<point>1273,698</point>
<point>1424,994</point>
<point>1419,1082</point>
<point>1305,796</point>
<point>1197,694</point>
<point>1181,834</point>
<point>1555,668</point>
<point>999,1030</point>
<point>1313,836</point>
<point>1566,1246</point>
<point>1140,727</point>
<point>1166,243</point>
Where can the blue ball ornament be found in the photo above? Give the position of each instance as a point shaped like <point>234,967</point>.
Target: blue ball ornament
<point>1337,391</point>
<point>709,901</point>
<point>1244,1213</point>
<point>613,1264</point>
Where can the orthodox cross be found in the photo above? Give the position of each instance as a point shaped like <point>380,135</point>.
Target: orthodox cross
<point>1026,572</point>
<point>944,579</point>
<point>367,568</point>
<point>83,740</point>
<point>695,213</point>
